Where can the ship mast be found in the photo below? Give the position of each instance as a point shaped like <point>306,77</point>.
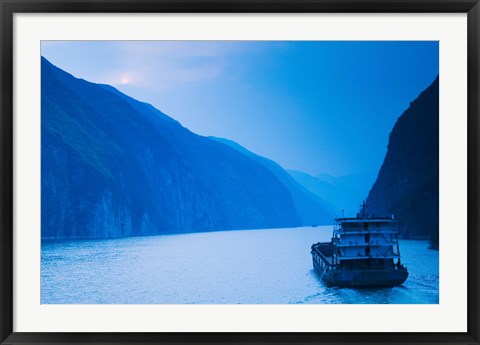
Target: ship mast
<point>363,208</point>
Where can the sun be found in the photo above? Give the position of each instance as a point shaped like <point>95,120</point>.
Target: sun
<point>125,79</point>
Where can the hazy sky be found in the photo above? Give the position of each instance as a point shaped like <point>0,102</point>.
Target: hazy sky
<point>318,107</point>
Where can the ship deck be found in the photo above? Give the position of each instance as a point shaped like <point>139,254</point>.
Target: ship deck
<point>324,251</point>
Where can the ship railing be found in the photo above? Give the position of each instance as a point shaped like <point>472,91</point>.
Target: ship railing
<point>383,218</point>
<point>370,256</point>
<point>345,243</point>
<point>365,230</point>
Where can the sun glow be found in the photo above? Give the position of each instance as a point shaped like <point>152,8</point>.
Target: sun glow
<point>125,79</point>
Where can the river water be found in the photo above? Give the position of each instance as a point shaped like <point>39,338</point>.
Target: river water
<point>253,266</point>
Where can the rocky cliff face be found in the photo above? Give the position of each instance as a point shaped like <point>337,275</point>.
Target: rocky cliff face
<point>408,183</point>
<point>113,166</point>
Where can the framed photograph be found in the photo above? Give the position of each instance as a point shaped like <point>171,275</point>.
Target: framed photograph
<point>254,172</point>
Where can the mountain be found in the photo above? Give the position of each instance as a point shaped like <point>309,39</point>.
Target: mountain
<point>408,183</point>
<point>343,193</point>
<point>312,209</point>
<point>113,166</point>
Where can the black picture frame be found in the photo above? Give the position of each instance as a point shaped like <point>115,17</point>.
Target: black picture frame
<point>9,7</point>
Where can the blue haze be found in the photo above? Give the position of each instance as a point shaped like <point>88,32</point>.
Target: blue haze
<point>112,166</point>
<point>316,107</point>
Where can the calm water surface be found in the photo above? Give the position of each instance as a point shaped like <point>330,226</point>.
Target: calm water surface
<point>255,266</point>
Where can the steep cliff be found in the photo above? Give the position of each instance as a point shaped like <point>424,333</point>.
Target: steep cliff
<point>408,183</point>
<point>113,166</point>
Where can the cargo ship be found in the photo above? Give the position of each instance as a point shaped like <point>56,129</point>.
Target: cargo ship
<point>364,252</point>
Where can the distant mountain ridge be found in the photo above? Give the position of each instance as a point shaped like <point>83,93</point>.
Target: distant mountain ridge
<point>113,166</point>
<point>408,182</point>
<point>343,193</point>
<point>312,209</point>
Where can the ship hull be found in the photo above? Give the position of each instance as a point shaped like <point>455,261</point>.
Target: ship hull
<point>361,278</point>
